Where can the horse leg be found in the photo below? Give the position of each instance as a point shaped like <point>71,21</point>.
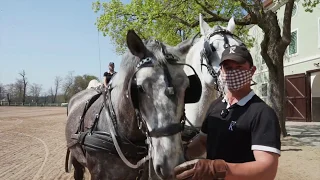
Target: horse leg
<point>78,169</point>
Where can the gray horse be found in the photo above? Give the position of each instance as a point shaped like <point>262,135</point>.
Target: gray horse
<point>139,116</point>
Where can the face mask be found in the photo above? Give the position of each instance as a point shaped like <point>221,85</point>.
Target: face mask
<point>235,79</point>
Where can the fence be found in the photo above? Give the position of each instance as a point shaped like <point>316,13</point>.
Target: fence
<point>4,103</point>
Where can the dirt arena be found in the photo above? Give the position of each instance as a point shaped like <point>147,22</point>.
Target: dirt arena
<point>33,147</point>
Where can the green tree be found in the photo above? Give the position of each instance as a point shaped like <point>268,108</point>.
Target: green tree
<point>169,21</point>
<point>173,20</point>
<point>81,82</point>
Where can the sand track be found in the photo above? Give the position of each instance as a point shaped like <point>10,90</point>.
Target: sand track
<point>33,147</point>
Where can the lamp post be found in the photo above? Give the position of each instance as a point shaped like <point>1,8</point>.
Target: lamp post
<point>99,54</point>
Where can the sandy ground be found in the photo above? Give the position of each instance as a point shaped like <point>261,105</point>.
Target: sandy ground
<point>33,146</point>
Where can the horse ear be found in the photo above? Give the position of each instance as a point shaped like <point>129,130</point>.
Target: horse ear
<point>231,25</point>
<point>135,44</point>
<point>184,46</point>
<point>204,27</point>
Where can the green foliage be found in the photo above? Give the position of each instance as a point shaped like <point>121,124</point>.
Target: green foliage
<point>310,4</point>
<point>75,84</point>
<point>169,21</point>
<point>81,82</point>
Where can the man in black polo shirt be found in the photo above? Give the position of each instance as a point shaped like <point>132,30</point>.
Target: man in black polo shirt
<point>241,133</point>
<point>108,75</point>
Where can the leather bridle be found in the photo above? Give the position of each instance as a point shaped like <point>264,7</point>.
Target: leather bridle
<point>208,51</point>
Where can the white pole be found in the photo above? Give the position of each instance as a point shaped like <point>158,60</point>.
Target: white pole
<point>99,55</point>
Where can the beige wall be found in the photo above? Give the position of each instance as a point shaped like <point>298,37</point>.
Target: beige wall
<point>315,84</point>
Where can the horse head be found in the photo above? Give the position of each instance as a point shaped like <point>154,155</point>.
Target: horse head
<point>205,57</point>
<point>155,85</point>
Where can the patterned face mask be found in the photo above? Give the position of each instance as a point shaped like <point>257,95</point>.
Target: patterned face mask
<point>235,79</point>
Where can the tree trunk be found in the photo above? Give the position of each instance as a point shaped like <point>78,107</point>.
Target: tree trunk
<point>272,53</point>
<point>24,92</point>
<point>277,94</point>
<point>9,98</point>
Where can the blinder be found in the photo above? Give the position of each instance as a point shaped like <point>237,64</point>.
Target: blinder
<point>194,90</point>
<point>192,94</point>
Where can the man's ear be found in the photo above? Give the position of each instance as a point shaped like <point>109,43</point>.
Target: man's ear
<point>253,70</point>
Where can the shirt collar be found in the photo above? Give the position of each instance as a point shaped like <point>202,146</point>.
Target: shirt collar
<point>242,101</point>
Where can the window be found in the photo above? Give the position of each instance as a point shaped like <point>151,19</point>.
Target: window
<point>294,9</point>
<point>319,32</point>
<point>264,90</point>
<point>293,46</point>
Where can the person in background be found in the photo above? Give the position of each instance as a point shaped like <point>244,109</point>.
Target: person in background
<point>108,75</point>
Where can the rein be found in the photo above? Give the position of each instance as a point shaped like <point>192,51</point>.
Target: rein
<point>112,128</point>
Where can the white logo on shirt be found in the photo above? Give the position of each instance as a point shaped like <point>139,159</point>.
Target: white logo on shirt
<point>232,49</point>
<point>233,123</point>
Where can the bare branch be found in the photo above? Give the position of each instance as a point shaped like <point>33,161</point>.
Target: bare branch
<point>67,86</point>
<point>57,84</point>
<point>36,91</point>
<point>25,83</point>
<point>259,4</point>
<point>265,55</point>
<point>205,9</point>
<point>286,31</point>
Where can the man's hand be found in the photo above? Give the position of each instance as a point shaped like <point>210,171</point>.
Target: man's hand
<point>203,169</point>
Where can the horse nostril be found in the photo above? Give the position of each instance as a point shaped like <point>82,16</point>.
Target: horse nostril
<point>162,173</point>
<point>159,171</point>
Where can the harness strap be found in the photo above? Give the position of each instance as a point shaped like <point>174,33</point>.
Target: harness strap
<point>102,141</point>
<point>96,119</point>
<point>167,131</point>
<point>76,135</point>
<point>114,139</point>
<point>109,108</point>
<point>88,104</point>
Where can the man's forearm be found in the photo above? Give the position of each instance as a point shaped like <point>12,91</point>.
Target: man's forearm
<point>251,170</point>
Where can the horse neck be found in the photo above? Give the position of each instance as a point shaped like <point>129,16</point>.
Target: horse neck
<point>193,58</point>
<point>197,112</point>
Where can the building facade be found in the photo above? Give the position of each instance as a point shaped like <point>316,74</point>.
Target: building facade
<point>301,63</point>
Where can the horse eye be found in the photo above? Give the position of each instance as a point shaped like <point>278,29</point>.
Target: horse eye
<point>140,89</point>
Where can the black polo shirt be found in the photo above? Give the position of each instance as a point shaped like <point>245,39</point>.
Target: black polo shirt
<point>245,126</point>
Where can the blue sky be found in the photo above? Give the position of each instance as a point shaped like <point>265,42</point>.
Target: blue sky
<point>51,38</point>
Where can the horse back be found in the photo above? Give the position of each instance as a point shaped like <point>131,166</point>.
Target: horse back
<point>78,108</point>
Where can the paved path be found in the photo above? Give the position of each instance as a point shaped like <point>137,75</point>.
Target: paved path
<point>302,134</point>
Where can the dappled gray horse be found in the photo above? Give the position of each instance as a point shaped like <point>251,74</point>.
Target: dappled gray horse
<point>139,116</point>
